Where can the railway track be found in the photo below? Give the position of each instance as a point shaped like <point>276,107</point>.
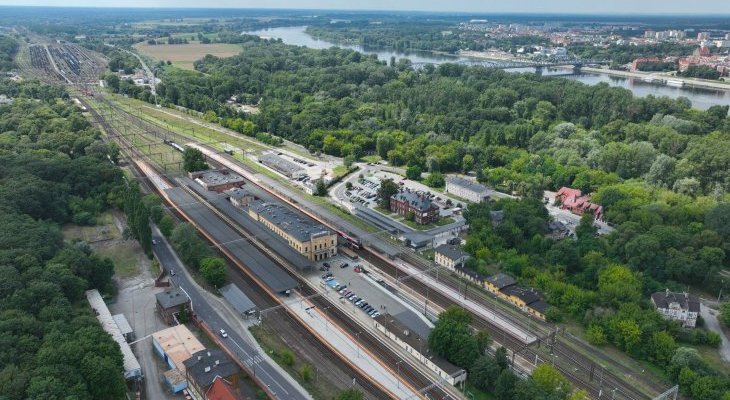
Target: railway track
<point>582,371</point>
<point>263,300</point>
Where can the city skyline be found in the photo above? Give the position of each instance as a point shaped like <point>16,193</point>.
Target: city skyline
<point>618,7</point>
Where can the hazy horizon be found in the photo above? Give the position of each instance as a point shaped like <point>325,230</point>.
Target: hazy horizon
<point>617,7</point>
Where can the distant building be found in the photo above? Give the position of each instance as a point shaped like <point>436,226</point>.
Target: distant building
<point>217,180</point>
<point>643,60</point>
<point>574,201</point>
<point>239,197</point>
<point>498,282</point>
<point>282,165</point>
<point>682,307</point>
<point>416,344</point>
<point>406,202</point>
<point>311,239</point>
<point>175,345</point>
<point>450,256</point>
<point>203,367</point>
<point>703,36</point>
<point>221,390</point>
<point>170,302</point>
<point>467,189</point>
<point>527,299</point>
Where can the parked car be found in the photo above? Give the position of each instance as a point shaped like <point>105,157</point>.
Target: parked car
<point>172,272</point>
<point>326,265</point>
<point>344,265</point>
<point>223,333</point>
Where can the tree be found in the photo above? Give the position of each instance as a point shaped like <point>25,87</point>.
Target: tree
<point>596,335</point>
<point>384,143</point>
<point>435,180</point>
<point>484,373</point>
<point>662,347</point>
<point>504,388</point>
<point>194,160</point>
<point>725,314</point>
<point>320,188</point>
<point>387,189</point>
<point>551,381</point>
<point>213,270</point>
<point>617,284</point>
<point>414,172</point>
<point>166,225</point>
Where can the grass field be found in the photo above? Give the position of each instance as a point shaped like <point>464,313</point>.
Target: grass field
<point>103,230</point>
<point>183,55</point>
<point>125,256</point>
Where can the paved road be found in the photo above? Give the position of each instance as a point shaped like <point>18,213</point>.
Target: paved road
<point>270,375</point>
<point>710,317</point>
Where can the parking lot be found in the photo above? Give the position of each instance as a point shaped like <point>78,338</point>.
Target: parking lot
<point>362,294</point>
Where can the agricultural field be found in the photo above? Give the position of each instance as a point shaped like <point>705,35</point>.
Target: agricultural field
<point>183,55</point>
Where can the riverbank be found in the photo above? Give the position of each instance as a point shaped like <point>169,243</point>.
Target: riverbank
<point>690,82</point>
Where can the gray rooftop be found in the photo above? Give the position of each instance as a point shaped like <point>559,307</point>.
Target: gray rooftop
<point>250,256</point>
<point>279,163</point>
<point>419,202</point>
<point>237,298</point>
<point>467,184</point>
<point>216,177</point>
<point>417,341</point>
<point>501,280</point>
<point>132,369</point>
<point>172,298</point>
<point>205,365</point>
<point>528,295</point>
<point>452,252</point>
<point>122,324</point>
<point>237,193</point>
<point>295,224</point>
<point>686,301</point>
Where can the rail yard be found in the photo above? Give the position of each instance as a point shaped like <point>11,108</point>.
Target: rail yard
<point>269,271</point>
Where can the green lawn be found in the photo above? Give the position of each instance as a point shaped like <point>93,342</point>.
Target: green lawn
<point>125,256</point>
<point>103,230</point>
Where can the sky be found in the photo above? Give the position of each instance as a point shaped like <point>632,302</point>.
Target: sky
<point>475,6</point>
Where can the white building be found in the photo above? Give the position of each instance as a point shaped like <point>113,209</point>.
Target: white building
<point>416,344</point>
<point>467,189</point>
<point>682,307</point>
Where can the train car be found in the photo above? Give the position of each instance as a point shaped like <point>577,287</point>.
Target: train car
<point>351,241</point>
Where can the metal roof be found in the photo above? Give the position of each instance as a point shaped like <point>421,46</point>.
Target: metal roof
<point>132,369</point>
<point>279,163</point>
<point>467,184</point>
<point>452,252</point>
<point>260,265</point>
<point>123,324</point>
<point>237,298</point>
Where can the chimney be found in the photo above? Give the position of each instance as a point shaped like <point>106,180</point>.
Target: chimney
<point>217,362</point>
<point>208,354</point>
<point>207,369</point>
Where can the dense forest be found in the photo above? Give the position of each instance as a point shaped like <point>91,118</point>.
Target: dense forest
<point>53,170</point>
<point>660,168</point>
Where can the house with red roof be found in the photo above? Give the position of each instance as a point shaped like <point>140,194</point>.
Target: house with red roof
<point>574,201</point>
<point>221,390</point>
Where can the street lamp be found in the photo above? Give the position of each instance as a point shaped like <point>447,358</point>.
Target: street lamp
<point>397,364</point>
<point>357,342</point>
<point>326,325</point>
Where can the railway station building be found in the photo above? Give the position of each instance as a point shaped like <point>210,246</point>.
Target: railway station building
<point>217,180</point>
<point>309,238</point>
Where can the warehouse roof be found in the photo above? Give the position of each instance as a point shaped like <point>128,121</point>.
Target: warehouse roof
<point>215,177</point>
<point>132,369</point>
<point>467,184</point>
<point>237,298</point>
<point>279,163</point>
<point>178,343</point>
<point>123,324</point>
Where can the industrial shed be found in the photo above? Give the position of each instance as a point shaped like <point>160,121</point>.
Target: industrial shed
<point>240,302</point>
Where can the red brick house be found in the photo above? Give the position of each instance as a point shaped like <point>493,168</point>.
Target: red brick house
<point>574,201</point>
<point>423,209</point>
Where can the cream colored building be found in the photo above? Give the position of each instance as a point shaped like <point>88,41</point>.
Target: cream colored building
<point>450,256</point>
<point>467,189</point>
<point>309,238</point>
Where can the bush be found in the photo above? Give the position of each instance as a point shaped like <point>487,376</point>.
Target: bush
<point>166,225</point>
<point>305,371</point>
<point>287,358</point>
<point>213,270</point>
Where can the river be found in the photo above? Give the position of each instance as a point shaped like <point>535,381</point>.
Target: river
<point>701,98</point>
